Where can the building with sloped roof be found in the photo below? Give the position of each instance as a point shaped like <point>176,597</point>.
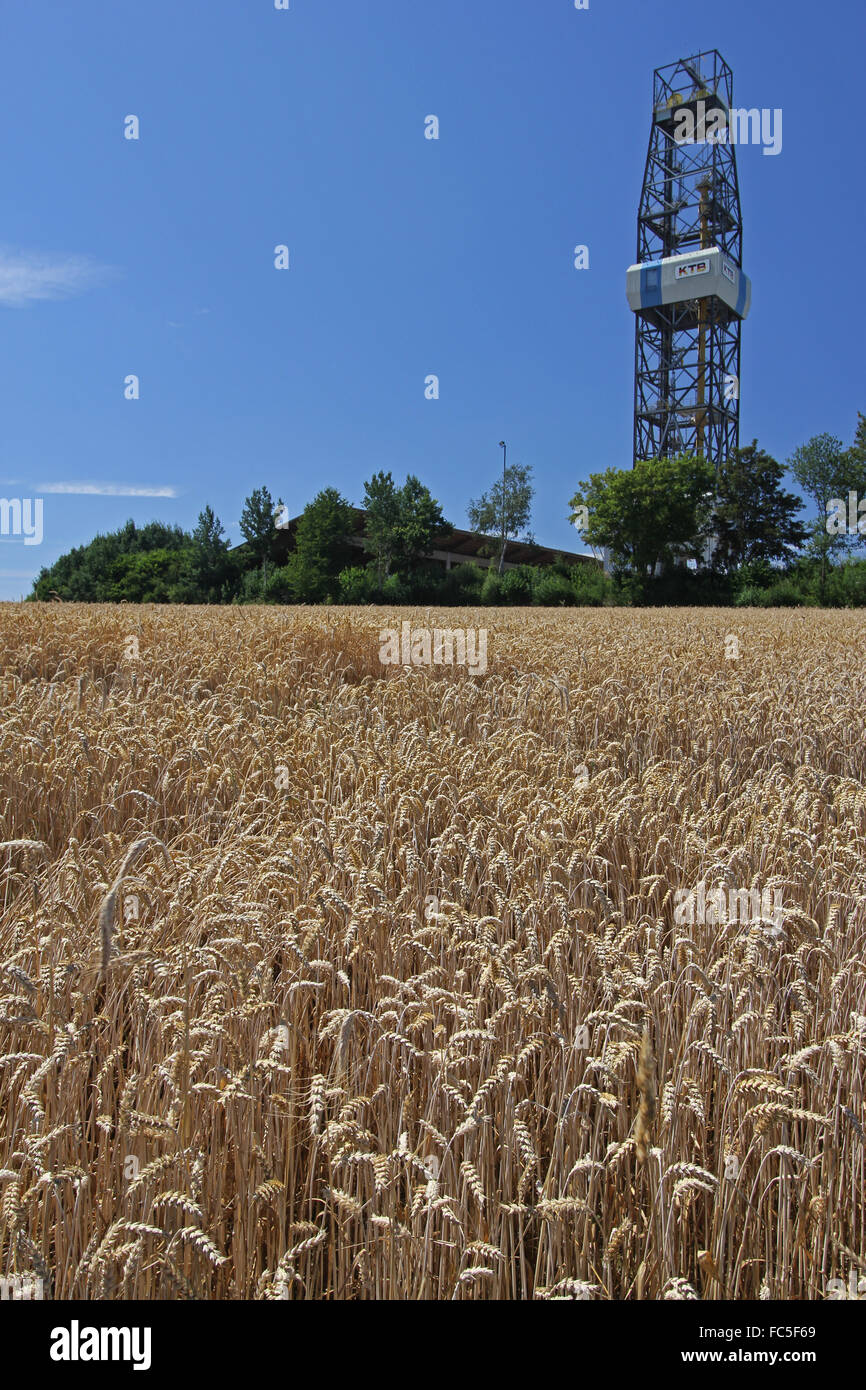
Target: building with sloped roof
<point>454,547</point>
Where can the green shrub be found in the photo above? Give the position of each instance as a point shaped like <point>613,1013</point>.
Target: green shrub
<point>357,585</point>
<point>750,597</point>
<point>426,583</point>
<point>629,588</point>
<point>785,594</point>
<point>394,590</point>
<point>681,585</point>
<point>462,585</point>
<point>846,585</point>
<point>491,590</point>
<point>759,574</point>
<point>277,587</point>
<point>553,591</point>
<point>251,587</point>
<point>592,587</point>
<point>515,586</point>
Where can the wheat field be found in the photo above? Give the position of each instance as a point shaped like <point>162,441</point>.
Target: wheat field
<point>326,980</point>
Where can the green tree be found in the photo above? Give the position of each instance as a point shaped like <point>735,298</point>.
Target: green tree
<point>322,548</point>
<point>100,571</point>
<point>649,515</point>
<point>210,557</point>
<point>420,521</point>
<point>401,523</point>
<point>823,468</point>
<point>258,524</point>
<point>382,505</point>
<point>755,518</point>
<point>506,508</point>
<point>151,576</point>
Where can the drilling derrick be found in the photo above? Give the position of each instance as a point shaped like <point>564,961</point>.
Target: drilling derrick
<point>688,290</point>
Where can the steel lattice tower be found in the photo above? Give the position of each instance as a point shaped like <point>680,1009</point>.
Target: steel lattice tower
<point>689,306</point>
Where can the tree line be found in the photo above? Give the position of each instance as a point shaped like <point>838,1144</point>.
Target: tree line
<point>674,532</point>
<point>675,528</point>
<point>160,563</point>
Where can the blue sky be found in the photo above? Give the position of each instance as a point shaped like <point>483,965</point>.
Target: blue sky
<point>409,257</point>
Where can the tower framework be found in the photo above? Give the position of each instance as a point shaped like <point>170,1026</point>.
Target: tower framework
<point>688,290</point>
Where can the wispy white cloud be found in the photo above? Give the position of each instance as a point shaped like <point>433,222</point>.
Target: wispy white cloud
<point>27,276</point>
<point>105,490</point>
